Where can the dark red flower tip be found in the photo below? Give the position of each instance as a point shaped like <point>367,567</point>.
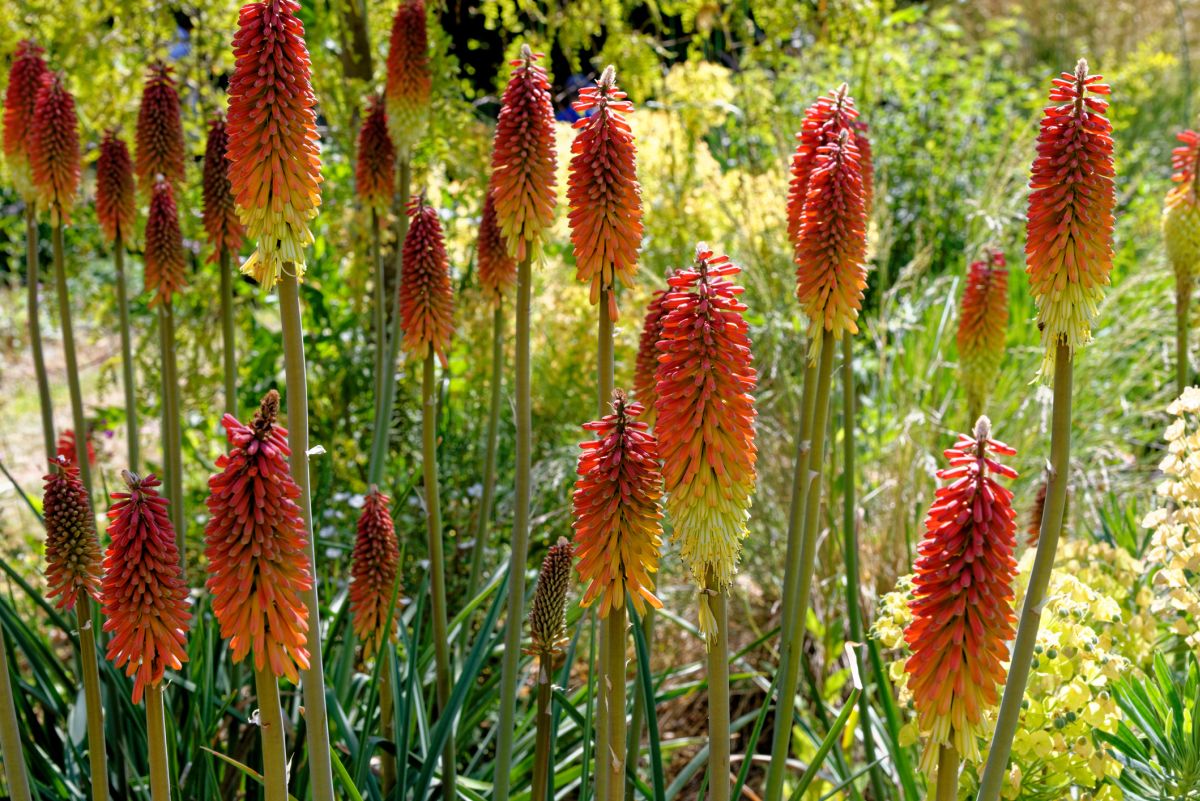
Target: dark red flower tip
<point>426,298</point>
<point>374,565</point>
<point>72,549</point>
<point>54,148</point>
<point>159,139</point>
<point>497,268</point>
<point>65,447</point>
<point>164,258</point>
<point>20,98</point>
<point>375,173</point>
<point>221,222</point>
<point>115,201</point>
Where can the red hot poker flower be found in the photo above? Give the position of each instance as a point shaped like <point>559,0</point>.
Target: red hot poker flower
<point>962,596</point>
<point>645,379</point>
<point>426,302</point>
<point>145,602</point>
<point>164,260</point>
<point>373,571</point>
<point>24,81</point>
<point>548,611</point>
<point>159,139</point>
<point>1068,246</point>
<point>408,82</point>
<point>115,202</point>
<point>375,172</point>
<point>54,149</point>
<point>221,221</point>
<point>255,543</point>
<point>523,159</point>
<point>603,190</point>
<point>497,269</point>
<point>65,447</point>
<point>72,550</point>
<point>982,327</point>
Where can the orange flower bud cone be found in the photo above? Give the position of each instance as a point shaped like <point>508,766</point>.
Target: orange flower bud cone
<point>159,139</point>
<point>115,201</point>
<point>497,269</point>
<point>617,530</point>
<point>164,260</point>
<point>408,82</point>
<point>426,300</point>
<point>523,159</point>
<point>20,98</point>
<point>603,191</point>
<point>982,327</point>
<point>645,378</point>
<point>145,602</point>
<point>65,447</point>
<point>1181,210</point>
<point>221,221</point>
<point>274,155</point>
<point>1068,247</point>
<point>72,550</point>
<point>376,560</point>
<point>375,173</point>
<point>962,597</point>
<point>54,149</point>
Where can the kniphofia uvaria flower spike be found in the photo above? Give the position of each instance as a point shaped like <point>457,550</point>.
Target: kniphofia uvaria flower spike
<point>159,137</point>
<point>409,83</point>
<point>24,81</point>
<point>982,328</point>
<point>115,201</point>
<point>221,222</point>
<point>373,570</point>
<point>54,149</point>
<point>375,171</point>
<point>426,300</point>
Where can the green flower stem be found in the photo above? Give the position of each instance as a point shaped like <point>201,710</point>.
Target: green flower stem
<point>718,696</point>
<point>437,564</point>
<point>270,722</point>
<point>156,737</point>
<point>1039,579</point>
<point>947,778</point>
<point>544,726</point>
<point>89,668</point>
<point>10,734</point>
<point>228,337</point>
<point>1183,301</point>
<point>35,331</point>
<point>810,494</point>
<point>387,726</point>
<point>605,380</point>
<point>133,451</point>
<point>379,311</point>
<point>612,760</point>
<point>487,499</point>
<point>172,433</point>
<point>320,764</point>
<point>520,540</point>
<point>68,335</point>
<point>637,720</point>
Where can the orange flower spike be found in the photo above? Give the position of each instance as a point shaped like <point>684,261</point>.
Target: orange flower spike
<point>867,158</point>
<point>1181,210</point>
<point>221,221</point>
<point>115,201</point>
<point>159,138</point>
<point>20,98</point>
<point>375,562</point>
<point>831,252</point>
<point>72,550</point>
<point>426,300</point>
<point>375,173</point>
<point>164,259</point>
<point>408,83</point>
<point>982,327</point>
<point>523,160</point>
<point>706,420</point>
<point>603,191</point>
<point>962,597</point>
<point>645,380</point>
<point>617,530</point>
<point>823,123</point>
<point>54,149</point>
<point>273,150</point>
<point>145,602</point>
<point>255,544</point>
<point>1068,248</point>
<point>65,447</point>
<point>497,269</point>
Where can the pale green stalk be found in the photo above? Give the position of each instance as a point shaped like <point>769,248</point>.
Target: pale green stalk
<point>612,760</point>
<point>487,499</point>
<point>156,740</point>
<point>68,335</point>
<point>270,722</point>
<point>97,757</point>
<point>228,337</point>
<point>1183,301</point>
<point>172,434</point>
<point>541,747</point>
<point>45,404</point>
<point>605,380</point>
<point>637,719</point>
<point>132,447</point>
<point>10,734</point>
<point>719,785</point>
<point>379,311</point>
<point>947,778</point>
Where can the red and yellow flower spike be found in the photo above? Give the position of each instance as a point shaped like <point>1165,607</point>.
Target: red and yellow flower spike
<point>1181,210</point>
<point>145,601</point>
<point>831,251</point>
<point>274,155</point>
<point>115,201</point>
<point>72,549</point>
<point>603,193</point>
<point>221,221</point>
<point>164,259</point>
<point>255,543</point>
<point>408,84</point>
<point>1068,248</point>
<point>982,328</point>
<point>65,447</point>
<point>54,149</point>
<point>523,160</point>
<point>375,562</point>
<point>375,172</point>
<point>159,137</point>
<point>497,268</point>
<point>617,530</point>
<point>706,420</point>
<point>24,81</point>
<point>962,597</point>
<point>426,300</point>
<point>645,378</point>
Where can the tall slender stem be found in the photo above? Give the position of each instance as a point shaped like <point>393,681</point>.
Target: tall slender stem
<point>156,737</point>
<point>270,722</point>
<point>718,697</point>
<point>387,725</point>
<point>437,564</point>
<point>605,370</point>
<point>320,764</point>
<point>97,757</point>
<point>228,336</point>
<point>379,311</point>
<point>520,539</point>
<point>172,431</point>
<point>68,335</point>
<point>947,778</point>
<point>45,403</point>
<point>541,744</point>
<point>613,758</point>
<point>637,719</point>
<point>10,733</point>
<point>1183,301</point>
<point>1039,579</point>
<point>484,520</point>
<point>132,447</point>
